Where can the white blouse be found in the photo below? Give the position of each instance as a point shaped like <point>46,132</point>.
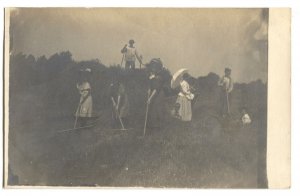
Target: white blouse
<point>185,90</point>
<point>227,82</point>
<point>131,54</point>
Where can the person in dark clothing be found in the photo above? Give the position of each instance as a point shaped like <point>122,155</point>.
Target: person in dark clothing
<point>155,95</point>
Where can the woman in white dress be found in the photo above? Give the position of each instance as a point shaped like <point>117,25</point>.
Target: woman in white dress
<point>85,109</point>
<point>184,100</point>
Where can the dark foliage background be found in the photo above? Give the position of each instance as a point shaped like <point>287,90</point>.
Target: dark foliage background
<point>43,94</point>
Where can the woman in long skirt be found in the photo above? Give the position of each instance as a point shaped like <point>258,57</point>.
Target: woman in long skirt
<point>155,96</point>
<point>85,108</point>
<point>184,100</point>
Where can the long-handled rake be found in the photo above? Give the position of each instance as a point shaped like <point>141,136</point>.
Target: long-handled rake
<point>228,108</point>
<point>122,60</point>
<point>146,117</point>
<point>117,114</point>
<point>76,115</point>
<point>77,128</point>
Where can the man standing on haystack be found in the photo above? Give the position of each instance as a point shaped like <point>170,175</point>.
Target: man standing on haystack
<point>130,53</point>
<point>226,83</point>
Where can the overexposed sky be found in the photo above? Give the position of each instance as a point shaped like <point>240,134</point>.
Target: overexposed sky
<point>202,40</point>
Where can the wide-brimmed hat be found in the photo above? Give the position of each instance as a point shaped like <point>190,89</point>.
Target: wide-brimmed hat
<point>177,77</point>
<point>155,65</point>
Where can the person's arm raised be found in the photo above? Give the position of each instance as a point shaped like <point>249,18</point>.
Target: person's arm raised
<point>124,49</point>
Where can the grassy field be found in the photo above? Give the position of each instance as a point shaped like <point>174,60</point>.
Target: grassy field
<point>205,153</point>
<point>201,154</point>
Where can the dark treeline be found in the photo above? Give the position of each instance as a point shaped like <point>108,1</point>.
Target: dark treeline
<point>27,70</point>
<point>53,82</point>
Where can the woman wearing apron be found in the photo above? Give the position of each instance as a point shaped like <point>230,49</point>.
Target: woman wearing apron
<point>85,108</point>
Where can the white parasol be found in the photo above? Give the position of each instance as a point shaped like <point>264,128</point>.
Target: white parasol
<point>177,77</point>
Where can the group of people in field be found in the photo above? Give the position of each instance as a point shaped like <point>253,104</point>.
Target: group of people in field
<point>155,98</point>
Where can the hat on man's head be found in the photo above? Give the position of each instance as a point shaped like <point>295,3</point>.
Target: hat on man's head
<point>131,41</point>
<point>227,69</point>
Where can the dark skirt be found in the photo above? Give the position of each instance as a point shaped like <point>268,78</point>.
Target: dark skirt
<point>156,111</point>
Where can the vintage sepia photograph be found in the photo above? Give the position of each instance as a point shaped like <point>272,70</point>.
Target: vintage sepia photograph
<point>137,97</point>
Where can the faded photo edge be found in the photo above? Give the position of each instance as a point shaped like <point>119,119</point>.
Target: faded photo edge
<point>279,99</point>
<point>278,157</point>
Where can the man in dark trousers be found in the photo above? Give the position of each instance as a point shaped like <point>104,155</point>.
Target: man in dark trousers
<point>226,84</point>
<point>130,53</point>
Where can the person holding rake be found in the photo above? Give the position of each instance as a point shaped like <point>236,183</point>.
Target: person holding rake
<point>226,84</point>
<point>85,107</point>
<point>120,103</point>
